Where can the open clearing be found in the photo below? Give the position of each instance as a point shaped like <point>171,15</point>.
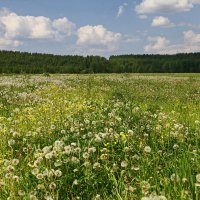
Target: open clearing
<point>126,137</point>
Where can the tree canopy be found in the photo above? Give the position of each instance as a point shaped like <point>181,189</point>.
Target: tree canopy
<point>37,63</point>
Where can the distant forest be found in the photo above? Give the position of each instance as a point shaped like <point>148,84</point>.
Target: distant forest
<point>36,63</point>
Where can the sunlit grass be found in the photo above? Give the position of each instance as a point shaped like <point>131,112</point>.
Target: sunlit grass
<point>100,137</point>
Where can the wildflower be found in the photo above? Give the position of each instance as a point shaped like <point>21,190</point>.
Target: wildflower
<point>67,149</point>
<point>89,134</point>
<point>15,134</point>
<point>33,197</point>
<point>46,149</point>
<point>11,142</point>
<point>176,146</point>
<point>184,180</point>
<point>75,160</point>
<point>135,168</point>
<point>48,198</point>
<point>63,131</point>
<point>124,164</point>
<point>58,173</point>
<point>198,178</point>
<point>40,187</point>
<point>8,175</point>
<point>131,189</point>
<point>53,127</point>
<point>39,159</point>
<point>126,149</point>
<point>75,170</point>
<point>77,150</point>
<point>175,177</point>
<point>97,197</point>
<point>40,176</point>
<point>97,139</point>
<point>10,168</point>
<point>21,193</point>
<point>73,144</point>
<point>35,171</point>
<point>86,155</point>
<point>86,164</point>
<point>96,165</point>
<point>104,156</point>
<point>58,163</point>
<point>49,155</point>
<point>52,186</point>
<point>75,182</point>
<point>130,132</point>
<point>92,150</point>
<point>147,149</point>
<point>16,178</point>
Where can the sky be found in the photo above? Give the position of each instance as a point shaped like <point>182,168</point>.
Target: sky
<point>100,27</point>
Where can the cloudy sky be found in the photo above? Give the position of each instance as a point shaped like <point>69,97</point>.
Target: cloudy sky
<point>100,27</point>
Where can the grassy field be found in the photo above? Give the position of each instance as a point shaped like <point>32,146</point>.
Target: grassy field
<point>91,137</point>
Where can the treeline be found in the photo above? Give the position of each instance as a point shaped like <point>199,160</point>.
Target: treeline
<point>36,63</point>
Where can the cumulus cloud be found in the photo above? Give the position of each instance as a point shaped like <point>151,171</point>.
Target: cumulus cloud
<point>160,45</point>
<point>98,36</point>
<point>14,28</point>
<point>161,21</point>
<point>154,6</point>
<point>121,10</point>
<point>156,44</point>
<point>191,37</point>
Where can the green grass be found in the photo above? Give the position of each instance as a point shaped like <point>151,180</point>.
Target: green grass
<point>115,136</point>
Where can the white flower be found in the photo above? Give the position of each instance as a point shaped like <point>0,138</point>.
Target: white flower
<point>124,164</point>
<point>15,161</point>
<point>48,198</point>
<point>147,149</point>
<point>176,146</point>
<point>21,193</point>
<point>11,142</point>
<point>97,197</point>
<point>175,177</point>
<point>96,165</point>
<point>52,186</point>
<point>73,144</point>
<point>49,155</point>
<point>53,127</point>
<point>75,182</point>
<point>58,173</point>
<point>16,178</point>
<point>85,155</point>
<point>40,176</point>
<point>35,171</point>
<point>63,131</point>
<point>92,150</point>
<point>67,149</point>
<point>75,160</point>
<point>198,178</point>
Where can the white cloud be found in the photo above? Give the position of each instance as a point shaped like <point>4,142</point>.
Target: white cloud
<point>15,28</point>
<point>98,36</point>
<point>161,21</point>
<point>121,10</point>
<point>191,37</point>
<point>153,6</point>
<point>156,44</point>
<point>9,44</point>
<point>160,45</point>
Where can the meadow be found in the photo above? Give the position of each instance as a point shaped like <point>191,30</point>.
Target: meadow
<point>92,137</point>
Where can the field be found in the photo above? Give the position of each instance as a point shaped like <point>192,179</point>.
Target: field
<point>91,137</point>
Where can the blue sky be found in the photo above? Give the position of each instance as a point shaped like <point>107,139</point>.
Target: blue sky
<point>104,27</point>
